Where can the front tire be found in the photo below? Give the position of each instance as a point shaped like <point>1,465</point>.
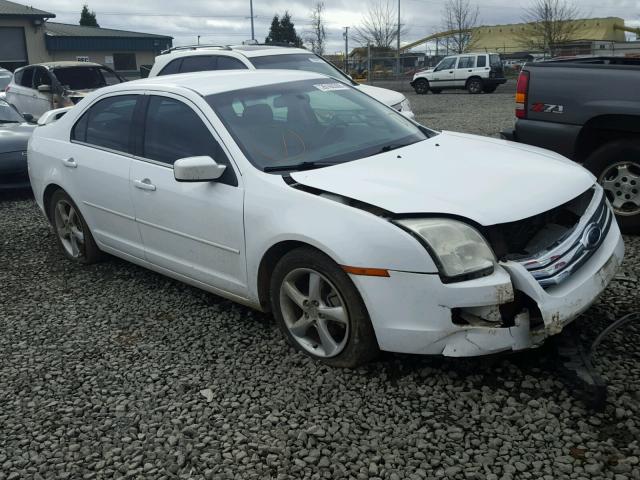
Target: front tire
<point>617,167</point>
<point>474,86</point>
<point>72,232</point>
<point>421,86</point>
<point>320,311</point>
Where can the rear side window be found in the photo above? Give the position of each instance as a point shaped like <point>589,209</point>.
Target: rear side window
<point>228,63</point>
<point>466,62</point>
<point>198,64</point>
<point>482,61</point>
<point>173,130</point>
<point>107,124</point>
<point>494,60</point>
<point>26,79</point>
<point>172,67</point>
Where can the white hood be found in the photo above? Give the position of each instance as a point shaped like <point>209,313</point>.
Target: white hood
<point>487,180</point>
<point>384,95</point>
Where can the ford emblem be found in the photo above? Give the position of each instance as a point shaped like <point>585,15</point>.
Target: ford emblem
<point>591,236</point>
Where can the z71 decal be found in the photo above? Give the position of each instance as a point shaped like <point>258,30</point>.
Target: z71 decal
<point>547,108</point>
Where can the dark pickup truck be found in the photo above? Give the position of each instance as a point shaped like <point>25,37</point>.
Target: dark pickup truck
<point>587,109</point>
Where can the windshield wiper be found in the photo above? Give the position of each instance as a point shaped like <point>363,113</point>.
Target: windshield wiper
<point>392,146</point>
<point>10,121</point>
<point>297,166</point>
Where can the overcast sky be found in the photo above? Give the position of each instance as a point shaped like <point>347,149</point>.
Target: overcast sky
<point>227,21</point>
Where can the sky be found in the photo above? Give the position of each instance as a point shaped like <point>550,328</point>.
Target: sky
<point>228,21</point>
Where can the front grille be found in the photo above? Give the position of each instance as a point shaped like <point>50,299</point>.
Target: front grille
<point>555,264</point>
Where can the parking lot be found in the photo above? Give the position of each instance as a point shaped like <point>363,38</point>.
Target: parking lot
<point>112,371</point>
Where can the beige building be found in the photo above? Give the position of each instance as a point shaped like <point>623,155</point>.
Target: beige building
<point>27,35</point>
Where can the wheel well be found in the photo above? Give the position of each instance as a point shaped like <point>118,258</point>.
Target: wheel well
<point>604,129</point>
<point>46,197</point>
<point>475,77</point>
<point>268,264</point>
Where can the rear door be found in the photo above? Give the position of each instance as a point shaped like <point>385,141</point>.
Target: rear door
<point>195,229</point>
<point>99,159</point>
<point>464,70</point>
<point>444,74</point>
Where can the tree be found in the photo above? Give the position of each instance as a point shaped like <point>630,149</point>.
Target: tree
<point>87,18</point>
<point>460,18</point>
<point>550,23</point>
<point>379,27</point>
<point>317,36</point>
<point>283,31</point>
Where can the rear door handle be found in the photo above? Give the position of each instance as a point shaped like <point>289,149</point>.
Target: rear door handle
<point>69,162</point>
<point>469,70</point>
<point>144,184</point>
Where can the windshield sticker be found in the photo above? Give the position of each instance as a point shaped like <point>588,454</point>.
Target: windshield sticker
<point>330,87</point>
<point>316,60</point>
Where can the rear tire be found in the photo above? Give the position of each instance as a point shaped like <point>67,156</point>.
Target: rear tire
<point>421,86</point>
<point>474,86</point>
<point>72,233</point>
<point>320,311</point>
<point>617,167</point>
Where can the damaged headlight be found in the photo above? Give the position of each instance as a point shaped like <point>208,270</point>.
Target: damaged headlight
<point>458,249</point>
<point>403,106</point>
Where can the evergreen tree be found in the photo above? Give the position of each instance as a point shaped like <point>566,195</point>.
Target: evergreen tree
<point>87,18</point>
<point>283,31</point>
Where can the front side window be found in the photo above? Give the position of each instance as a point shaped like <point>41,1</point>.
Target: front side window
<point>318,121</point>
<point>447,63</point>
<point>108,123</point>
<point>299,61</point>
<point>482,60</point>
<point>85,78</point>
<point>466,62</point>
<point>41,77</point>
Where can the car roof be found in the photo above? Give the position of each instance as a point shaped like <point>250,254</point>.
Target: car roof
<point>219,81</point>
<point>248,51</point>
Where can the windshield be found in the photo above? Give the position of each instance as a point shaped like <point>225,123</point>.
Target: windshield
<point>316,121</point>
<point>8,114</point>
<point>85,78</point>
<point>5,79</point>
<point>299,61</point>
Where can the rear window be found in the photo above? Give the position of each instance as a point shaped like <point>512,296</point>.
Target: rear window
<point>85,78</point>
<point>299,61</point>
<point>494,60</point>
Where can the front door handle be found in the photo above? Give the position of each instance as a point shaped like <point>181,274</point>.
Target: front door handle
<point>144,184</point>
<point>469,70</point>
<point>69,162</point>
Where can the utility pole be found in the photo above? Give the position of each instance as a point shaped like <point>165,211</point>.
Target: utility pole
<point>346,50</point>
<point>398,50</point>
<point>253,37</point>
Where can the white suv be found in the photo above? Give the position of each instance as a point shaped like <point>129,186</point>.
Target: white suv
<point>475,72</point>
<point>196,58</point>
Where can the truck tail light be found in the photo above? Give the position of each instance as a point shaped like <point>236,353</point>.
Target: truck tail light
<point>522,88</point>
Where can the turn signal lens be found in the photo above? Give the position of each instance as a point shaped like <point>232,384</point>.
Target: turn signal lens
<point>368,272</point>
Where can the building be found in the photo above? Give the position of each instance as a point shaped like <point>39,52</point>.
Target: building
<point>27,35</point>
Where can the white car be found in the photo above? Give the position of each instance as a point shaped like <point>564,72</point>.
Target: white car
<point>196,58</point>
<point>38,88</point>
<point>475,72</point>
<point>360,229</point>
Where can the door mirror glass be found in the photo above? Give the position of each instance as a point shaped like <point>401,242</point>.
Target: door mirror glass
<point>197,169</point>
<point>44,88</point>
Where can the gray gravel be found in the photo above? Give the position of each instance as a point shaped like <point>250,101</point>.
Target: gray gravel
<point>111,371</point>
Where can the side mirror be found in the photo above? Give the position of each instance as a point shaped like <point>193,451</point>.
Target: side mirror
<point>28,117</point>
<point>197,169</point>
<point>44,88</point>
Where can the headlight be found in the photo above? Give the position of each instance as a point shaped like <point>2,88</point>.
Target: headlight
<point>458,249</point>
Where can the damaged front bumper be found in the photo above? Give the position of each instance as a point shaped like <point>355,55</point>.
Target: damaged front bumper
<point>417,313</point>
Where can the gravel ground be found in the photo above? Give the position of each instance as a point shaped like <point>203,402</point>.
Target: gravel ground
<point>111,371</point>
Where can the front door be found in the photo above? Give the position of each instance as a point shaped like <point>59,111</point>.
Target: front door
<point>42,101</point>
<point>192,228</point>
<point>444,74</point>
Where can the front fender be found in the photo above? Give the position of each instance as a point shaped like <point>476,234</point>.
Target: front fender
<point>276,212</point>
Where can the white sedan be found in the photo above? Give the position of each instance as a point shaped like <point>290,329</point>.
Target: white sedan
<point>358,228</point>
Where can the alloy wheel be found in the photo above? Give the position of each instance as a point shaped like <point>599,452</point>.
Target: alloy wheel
<point>475,86</point>
<point>314,312</point>
<point>621,182</point>
<point>69,228</point>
